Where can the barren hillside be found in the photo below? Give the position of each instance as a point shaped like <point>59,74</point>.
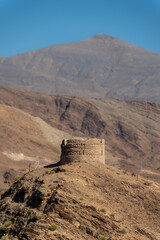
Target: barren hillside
<point>102,66</point>
<point>25,140</point>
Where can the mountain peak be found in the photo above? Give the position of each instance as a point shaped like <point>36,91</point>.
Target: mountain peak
<point>103,36</point>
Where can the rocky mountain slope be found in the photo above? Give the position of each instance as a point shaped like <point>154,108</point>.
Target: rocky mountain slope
<point>102,66</point>
<point>82,200</point>
<point>131,129</point>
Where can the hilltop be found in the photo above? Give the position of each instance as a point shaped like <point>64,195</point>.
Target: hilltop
<point>102,66</point>
<point>84,200</point>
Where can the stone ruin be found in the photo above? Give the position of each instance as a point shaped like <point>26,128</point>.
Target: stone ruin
<point>73,150</point>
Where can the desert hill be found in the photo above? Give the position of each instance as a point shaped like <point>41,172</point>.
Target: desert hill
<point>25,140</point>
<point>102,66</point>
<point>131,129</point>
<point>82,200</point>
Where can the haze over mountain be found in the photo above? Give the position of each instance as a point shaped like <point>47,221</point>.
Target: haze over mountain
<point>102,66</point>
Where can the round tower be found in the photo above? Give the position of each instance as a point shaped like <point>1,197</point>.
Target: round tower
<point>73,150</point>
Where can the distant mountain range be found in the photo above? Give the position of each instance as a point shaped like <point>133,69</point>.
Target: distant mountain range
<point>102,66</point>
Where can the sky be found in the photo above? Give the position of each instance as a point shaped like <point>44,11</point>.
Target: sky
<point>32,24</point>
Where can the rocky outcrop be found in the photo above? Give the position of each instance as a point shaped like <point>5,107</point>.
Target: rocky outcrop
<point>81,200</point>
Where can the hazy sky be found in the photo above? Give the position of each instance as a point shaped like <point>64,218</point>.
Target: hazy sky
<point>32,24</point>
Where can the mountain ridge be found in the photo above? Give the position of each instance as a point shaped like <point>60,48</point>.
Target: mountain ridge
<point>101,36</point>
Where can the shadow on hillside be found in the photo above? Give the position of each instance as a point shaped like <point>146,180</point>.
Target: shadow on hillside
<point>53,165</point>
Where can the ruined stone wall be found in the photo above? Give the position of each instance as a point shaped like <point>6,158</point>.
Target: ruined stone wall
<point>82,149</point>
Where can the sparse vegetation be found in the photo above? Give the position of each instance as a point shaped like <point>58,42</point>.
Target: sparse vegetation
<point>103,210</point>
<point>102,238</point>
<point>17,178</point>
<point>53,227</point>
<point>122,231</point>
<point>8,223</point>
<point>56,215</point>
<point>49,172</point>
<point>81,198</point>
<point>4,238</point>
<point>112,215</point>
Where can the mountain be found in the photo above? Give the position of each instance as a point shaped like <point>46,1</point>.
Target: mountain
<point>83,200</point>
<point>102,66</point>
<point>131,129</point>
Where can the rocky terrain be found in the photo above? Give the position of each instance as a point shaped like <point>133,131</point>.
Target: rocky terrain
<point>82,200</point>
<point>102,66</point>
<point>131,129</point>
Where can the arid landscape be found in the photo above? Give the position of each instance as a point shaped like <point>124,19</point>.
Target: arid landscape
<point>101,88</point>
<point>34,125</point>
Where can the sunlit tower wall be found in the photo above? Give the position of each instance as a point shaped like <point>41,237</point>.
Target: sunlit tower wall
<point>74,150</point>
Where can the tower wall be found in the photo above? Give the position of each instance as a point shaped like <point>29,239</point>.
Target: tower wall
<point>73,150</point>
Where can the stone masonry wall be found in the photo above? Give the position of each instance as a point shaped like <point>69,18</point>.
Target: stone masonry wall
<point>82,149</point>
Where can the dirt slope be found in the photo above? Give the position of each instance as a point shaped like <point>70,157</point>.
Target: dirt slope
<point>25,140</point>
<point>102,66</point>
<point>131,129</point>
<point>85,200</point>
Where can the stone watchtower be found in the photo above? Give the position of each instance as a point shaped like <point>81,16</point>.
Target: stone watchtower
<point>73,150</point>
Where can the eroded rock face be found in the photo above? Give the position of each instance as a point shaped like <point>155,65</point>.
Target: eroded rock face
<point>82,149</point>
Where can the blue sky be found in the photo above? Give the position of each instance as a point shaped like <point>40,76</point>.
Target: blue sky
<point>31,24</point>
